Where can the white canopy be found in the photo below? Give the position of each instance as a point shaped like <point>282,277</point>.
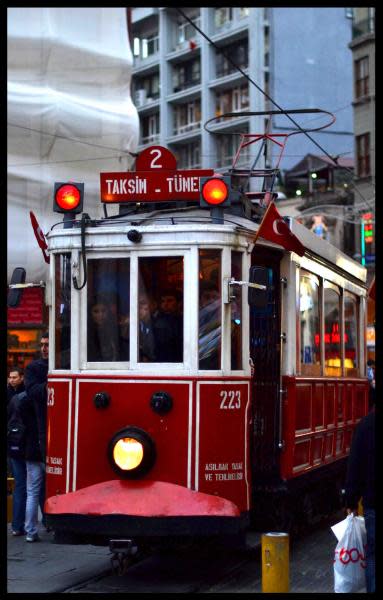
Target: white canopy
<point>70,115</point>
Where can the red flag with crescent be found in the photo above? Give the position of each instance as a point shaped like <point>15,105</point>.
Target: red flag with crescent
<point>274,229</point>
<point>40,237</point>
<point>371,291</point>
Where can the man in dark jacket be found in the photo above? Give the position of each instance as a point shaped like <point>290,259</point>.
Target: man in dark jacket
<point>16,457</point>
<point>360,484</point>
<point>15,382</point>
<point>36,375</point>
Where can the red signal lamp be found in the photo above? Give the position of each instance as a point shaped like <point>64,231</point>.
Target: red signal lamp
<point>68,197</point>
<point>215,191</point>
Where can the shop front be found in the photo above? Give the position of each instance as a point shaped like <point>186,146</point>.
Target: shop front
<point>25,324</point>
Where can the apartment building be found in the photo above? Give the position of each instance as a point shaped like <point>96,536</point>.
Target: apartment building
<point>180,80</point>
<point>362,47</point>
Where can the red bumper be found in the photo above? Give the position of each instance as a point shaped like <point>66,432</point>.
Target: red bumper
<point>139,509</point>
<point>140,499</point>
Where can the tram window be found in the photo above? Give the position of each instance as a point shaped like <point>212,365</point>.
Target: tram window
<point>108,309</point>
<point>309,325</point>
<point>160,309</point>
<point>210,314</point>
<point>63,282</point>
<point>332,346</point>
<point>351,366</point>
<point>236,312</point>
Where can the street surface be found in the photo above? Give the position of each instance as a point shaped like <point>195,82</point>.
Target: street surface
<point>46,567</point>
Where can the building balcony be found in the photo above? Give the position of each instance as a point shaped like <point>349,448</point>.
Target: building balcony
<point>150,139</point>
<point>186,135</point>
<point>362,28</point>
<point>146,65</point>
<point>185,95</point>
<point>227,79</point>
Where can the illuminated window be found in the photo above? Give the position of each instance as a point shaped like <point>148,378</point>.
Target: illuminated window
<point>309,325</point>
<point>332,330</point>
<point>351,328</point>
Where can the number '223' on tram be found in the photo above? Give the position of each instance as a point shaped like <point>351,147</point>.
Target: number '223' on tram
<point>199,383</point>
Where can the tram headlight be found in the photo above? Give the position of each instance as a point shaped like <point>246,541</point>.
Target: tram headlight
<point>131,452</point>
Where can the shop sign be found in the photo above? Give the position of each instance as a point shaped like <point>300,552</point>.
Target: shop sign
<point>30,309</point>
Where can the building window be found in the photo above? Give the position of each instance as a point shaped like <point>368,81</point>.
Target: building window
<point>363,155</point>
<point>238,53</point>
<point>150,128</point>
<point>227,147</point>
<point>223,16</point>
<point>186,31</point>
<point>244,12</point>
<point>234,100</point>
<point>188,155</point>
<point>147,89</point>
<point>186,75</point>
<point>146,47</point>
<point>187,117</point>
<point>361,77</point>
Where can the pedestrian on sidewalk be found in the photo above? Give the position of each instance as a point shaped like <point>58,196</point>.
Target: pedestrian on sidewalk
<point>16,452</point>
<point>36,377</point>
<point>360,484</point>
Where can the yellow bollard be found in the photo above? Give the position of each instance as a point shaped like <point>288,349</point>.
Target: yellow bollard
<point>275,562</point>
<point>10,488</point>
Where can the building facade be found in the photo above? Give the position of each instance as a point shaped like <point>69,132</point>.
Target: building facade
<point>180,80</point>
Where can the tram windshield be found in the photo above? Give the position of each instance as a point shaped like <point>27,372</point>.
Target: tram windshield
<point>160,309</point>
<point>108,300</point>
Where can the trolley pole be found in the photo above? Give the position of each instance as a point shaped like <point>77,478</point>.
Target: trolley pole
<point>275,562</point>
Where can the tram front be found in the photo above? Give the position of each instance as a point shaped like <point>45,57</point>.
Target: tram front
<point>149,380</point>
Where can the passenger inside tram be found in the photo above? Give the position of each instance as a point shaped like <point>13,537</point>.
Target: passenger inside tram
<point>147,345</point>
<point>168,327</point>
<point>102,331</point>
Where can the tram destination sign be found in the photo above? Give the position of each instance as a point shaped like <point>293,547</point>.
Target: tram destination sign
<point>156,179</point>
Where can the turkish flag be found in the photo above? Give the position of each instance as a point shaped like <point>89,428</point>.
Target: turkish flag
<point>192,45</point>
<point>40,237</point>
<point>274,229</point>
<point>371,291</point>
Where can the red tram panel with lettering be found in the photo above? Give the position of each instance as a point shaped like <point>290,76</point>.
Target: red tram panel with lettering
<point>222,440</point>
<point>58,458</point>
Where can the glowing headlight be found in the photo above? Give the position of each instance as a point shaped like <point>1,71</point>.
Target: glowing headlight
<point>128,453</point>
<point>131,452</point>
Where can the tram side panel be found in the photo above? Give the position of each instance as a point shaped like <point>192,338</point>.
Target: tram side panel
<point>319,416</point>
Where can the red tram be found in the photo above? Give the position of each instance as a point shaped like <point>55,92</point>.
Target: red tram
<point>199,382</point>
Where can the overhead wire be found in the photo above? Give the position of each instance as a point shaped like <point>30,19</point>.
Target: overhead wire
<point>227,57</point>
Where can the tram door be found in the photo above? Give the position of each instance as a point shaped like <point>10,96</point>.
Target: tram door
<point>265,352</point>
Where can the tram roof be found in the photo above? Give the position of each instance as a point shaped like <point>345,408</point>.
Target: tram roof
<point>195,220</point>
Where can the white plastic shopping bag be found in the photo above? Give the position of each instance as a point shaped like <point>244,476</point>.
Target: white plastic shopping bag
<point>350,555</point>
